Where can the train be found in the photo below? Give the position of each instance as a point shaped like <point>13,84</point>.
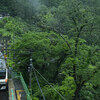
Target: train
<point>3,73</point>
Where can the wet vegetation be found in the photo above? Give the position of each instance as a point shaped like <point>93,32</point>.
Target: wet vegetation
<point>64,37</point>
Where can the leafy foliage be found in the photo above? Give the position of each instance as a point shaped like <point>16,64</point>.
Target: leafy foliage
<point>63,36</point>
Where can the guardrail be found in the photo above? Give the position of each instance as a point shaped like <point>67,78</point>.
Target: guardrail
<point>19,75</point>
<point>25,87</point>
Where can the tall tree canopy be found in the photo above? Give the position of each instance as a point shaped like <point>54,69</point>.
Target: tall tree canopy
<point>63,36</point>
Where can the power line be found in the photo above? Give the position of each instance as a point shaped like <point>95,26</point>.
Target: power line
<point>38,83</point>
<point>50,85</point>
<point>32,67</point>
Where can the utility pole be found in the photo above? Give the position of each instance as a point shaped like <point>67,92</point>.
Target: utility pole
<point>3,46</point>
<point>6,44</point>
<point>30,76</point>
<point>30,71</point>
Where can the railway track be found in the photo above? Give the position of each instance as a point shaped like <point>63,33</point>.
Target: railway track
<point>4,95</point>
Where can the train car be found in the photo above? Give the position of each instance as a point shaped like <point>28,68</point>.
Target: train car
<point>3,78</point>
<point>3,73</point>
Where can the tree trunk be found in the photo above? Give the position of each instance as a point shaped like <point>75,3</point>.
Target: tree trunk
<point>76,97</point>
<point>78,89</point>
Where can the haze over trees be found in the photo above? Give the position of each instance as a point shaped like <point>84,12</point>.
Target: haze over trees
<point>64,37</point>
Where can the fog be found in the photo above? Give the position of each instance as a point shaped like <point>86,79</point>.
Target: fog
<point>36,4</point>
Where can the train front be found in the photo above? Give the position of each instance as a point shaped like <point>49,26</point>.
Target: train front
<point>3,78</point>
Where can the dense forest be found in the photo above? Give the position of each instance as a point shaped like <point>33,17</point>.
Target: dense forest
<point>64,37</point>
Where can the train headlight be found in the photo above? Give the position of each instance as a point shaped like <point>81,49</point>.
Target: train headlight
<point>6,80</point>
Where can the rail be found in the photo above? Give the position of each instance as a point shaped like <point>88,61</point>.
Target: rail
<point>25,87</point>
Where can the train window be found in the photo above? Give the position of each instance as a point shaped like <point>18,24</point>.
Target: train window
<point>2,74</point>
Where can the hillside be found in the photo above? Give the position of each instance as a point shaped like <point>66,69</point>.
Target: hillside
<point>62,38</point>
